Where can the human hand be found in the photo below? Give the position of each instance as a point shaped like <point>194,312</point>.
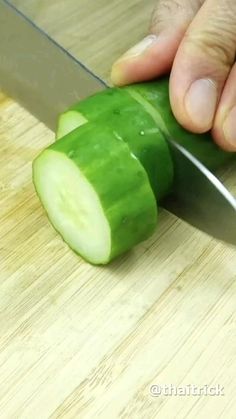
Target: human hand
<point>194,40</point>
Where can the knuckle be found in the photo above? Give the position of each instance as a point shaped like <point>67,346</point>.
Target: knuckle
<point>213,45</point>
<point>167,12</point>
<point>164,13</point>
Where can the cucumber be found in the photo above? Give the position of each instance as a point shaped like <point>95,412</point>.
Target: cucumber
<point>90,109</point>
<point>141,114</point>
<point>96,193</point>
<point>130,121</point>
<point>100,182</point>
<point>154,96</point>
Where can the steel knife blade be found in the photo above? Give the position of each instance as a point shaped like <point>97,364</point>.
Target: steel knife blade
<point>199,198</point>
<point>46,80</point>
<point>38,72</point>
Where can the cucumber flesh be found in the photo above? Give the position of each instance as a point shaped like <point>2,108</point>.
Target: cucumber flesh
<point>96,194</point>
<point>73,206</point>
<point>70,121</point>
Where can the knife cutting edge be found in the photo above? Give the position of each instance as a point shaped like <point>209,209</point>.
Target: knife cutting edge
<point>46,79</point>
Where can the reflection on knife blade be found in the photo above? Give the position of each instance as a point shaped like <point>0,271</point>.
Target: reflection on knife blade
<point>200,198</point>
<point>40,74</point>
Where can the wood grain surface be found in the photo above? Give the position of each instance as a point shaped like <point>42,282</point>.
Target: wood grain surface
<point>78,341</point>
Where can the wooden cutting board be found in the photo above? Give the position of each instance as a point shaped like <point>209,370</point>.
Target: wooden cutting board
<point>78,341</point>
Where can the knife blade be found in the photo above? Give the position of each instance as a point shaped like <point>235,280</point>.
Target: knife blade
<point>46,80</point>
<point>36,71</point>
<point>199,198</point>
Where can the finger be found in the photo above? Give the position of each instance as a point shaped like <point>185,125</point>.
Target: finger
<point>154,55</point>
<point>224,130</point>
<point>202,64</point>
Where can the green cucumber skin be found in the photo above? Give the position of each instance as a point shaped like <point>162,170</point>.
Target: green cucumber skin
<point>201,146</point>
<point>130,121</point>
<point>146,142</point>
<point>96,105</point>
<point>119,180</point>
<point>119,110</point>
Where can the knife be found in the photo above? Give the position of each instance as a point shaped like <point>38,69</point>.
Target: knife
<point>46,79</point>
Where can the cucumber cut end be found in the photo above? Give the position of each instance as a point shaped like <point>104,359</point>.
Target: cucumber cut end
<point>73,206</point>
<point>69,121</point>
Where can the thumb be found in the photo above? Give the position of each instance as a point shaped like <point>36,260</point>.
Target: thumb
<point>154,55</point>
<point>202,65</point>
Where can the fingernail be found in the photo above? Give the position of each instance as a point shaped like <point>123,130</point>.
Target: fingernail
<point>200,103</point>
<point>141,47</point>
<point>117,76</point>
<point>229,128</point>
